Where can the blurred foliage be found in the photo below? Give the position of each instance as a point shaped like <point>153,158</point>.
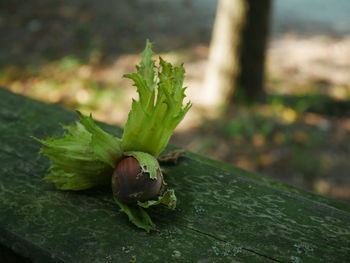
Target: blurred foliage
<point>68,81</point>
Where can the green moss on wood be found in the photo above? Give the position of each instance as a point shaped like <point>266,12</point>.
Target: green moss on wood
<point>223,214</point>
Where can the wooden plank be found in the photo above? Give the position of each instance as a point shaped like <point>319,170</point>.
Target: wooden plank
<point>221,216</point>
<point>268,181</point>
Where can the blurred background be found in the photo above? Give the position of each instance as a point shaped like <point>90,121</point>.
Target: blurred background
<point>269,79</point>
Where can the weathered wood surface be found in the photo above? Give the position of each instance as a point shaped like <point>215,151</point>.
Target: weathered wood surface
<point>223,214</point>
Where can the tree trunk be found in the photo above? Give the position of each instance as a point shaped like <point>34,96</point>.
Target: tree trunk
<point>237,52</point>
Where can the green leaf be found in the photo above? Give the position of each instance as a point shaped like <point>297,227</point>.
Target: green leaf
<point>148,163</point>
<point>137,215</point>
<point>159,110</point>
<point>105,146</point>
<point>79,159</point>
<point>168,199</point>
<point>73,181</point>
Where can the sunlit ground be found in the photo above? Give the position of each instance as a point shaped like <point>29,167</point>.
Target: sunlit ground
<point>300,136</point>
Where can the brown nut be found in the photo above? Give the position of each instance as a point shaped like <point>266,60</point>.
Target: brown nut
<point>130,184</point>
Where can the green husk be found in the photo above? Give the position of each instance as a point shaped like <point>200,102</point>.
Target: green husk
<point>168,199</point>
<point>147,162</point>
<point>137,215</point>
<point>86,155</point>
<point>76,162</point>
<point>159,109</point>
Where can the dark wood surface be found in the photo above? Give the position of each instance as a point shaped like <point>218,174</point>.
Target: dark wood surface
<point>224,214</point>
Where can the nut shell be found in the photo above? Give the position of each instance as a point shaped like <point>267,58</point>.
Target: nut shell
<point>130,184</point>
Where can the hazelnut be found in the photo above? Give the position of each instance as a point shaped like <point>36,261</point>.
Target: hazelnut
<point>130,184</point>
